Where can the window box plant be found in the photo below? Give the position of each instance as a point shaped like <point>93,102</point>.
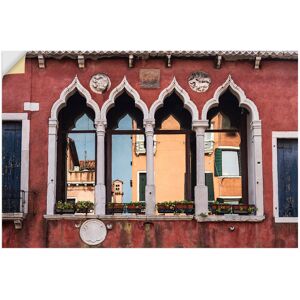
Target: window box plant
<point>135,207</point>
<point>114,208</point>
<point>241,209</point>
<point>186,207</point>
<point>64,208</point>
<point>166,207</point>
<point>84,206</point>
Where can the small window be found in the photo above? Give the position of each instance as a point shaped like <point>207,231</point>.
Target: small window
<point>230,163</point>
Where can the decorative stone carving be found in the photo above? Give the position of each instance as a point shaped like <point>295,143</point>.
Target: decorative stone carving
<point>199,81</point>
<point>100,83</point>
<point>93,232</point>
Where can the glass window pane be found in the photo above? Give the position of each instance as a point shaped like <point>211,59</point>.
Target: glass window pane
<point>81,166</point>
<point>170,167</point>
<point>230,163</point>
<point>84,123</point>
<point>125,123</point>
<point>128,169</point>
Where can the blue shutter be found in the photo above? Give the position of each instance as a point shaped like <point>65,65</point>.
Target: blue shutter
<point>287,164</point>
<point>11,166</point>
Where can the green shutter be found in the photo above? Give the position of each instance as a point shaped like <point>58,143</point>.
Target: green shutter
<point>142,186</point>
<point>240,162</point>
<point>209,182</point>
<point>218,162</point>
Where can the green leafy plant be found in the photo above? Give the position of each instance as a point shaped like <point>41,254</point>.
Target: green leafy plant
<point>64,207</point>
<point>84,206</point>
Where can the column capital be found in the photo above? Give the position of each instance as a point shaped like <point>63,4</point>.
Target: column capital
<point>149,125</point>
<point>53,125</point>
<point>100,126</point>
<point>256,127</point>
<point>200,126</point>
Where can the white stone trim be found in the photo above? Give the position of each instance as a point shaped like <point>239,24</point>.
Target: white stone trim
<point>31,106</point>
<point>117,91</point>
<point>70,90</point>
<point>254,136</point>
<point>238,92</point>
<point>183,95</point>
<point>279,135</point>
<point>23,117</point>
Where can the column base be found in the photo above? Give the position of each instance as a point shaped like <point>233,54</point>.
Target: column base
<point>100,199</point>
<point>150,200</point>
<point>201,200</point>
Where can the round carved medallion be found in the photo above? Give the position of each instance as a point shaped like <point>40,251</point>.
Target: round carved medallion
<point>93,232</point>
<point>100,83</point>
<point>199,81</point>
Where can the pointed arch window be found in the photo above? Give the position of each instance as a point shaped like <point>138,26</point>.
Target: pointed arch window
<point>76,152</point>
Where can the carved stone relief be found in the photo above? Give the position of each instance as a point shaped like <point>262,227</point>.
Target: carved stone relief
<point>199,81</point>
<point>100,83</point>
<point>93,232</point>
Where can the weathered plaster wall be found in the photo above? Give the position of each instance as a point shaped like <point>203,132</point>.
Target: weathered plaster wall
<point>273,89</point>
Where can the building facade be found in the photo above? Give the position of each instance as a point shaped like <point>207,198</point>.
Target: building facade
<point>214,130</point>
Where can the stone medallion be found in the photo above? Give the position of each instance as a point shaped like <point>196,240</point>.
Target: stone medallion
<point>100,83</point>
<point>199,81</point>
<point>93,232</point>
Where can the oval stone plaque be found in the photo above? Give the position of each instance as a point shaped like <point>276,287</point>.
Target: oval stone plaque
<point>199,81</point>
<point>93,232</point>
<point>100,83</point>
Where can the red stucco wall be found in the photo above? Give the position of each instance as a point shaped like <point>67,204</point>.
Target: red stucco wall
<point>273,89</point>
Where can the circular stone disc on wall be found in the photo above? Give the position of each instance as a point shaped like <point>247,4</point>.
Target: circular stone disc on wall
<point>93,232</point>
<point>199,81</point>
<point>100,83</point>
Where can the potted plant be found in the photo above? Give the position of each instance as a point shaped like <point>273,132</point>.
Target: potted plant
<point>113,208</point>
<point>252,209</point>
<point>221,209</point>
<point>135,207</point>
<point>84,206</point>
<point>184,206</point>
<point>64,207</point>
<point>241,209</point>
<point>166,207</point>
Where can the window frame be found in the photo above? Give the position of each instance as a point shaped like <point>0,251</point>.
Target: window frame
<point>24,182</point>
<point>275,136</point>
<point>230,148</point>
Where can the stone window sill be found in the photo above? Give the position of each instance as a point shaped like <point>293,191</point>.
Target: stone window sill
<point>118,217</point>
<point>230,218</point>
<point>17,218</point>
<point>224,218</point>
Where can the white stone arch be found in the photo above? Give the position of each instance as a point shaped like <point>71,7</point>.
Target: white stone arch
<point>238,92</point>
<point>117,91</point>
<point>52,140</point>
<point>70,90</point>
<point>183,95</point>
<point>254,141</point>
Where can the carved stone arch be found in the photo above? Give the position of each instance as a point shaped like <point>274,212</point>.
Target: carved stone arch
<point>117,91</point>
<point>240,95</point>
<point>183,95</point>
<point>254,144</point>
<point>68,92</point>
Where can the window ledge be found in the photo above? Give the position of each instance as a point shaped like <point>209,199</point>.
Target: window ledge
<point>17,218</point>
<point>286,220</point>
<point>230,218</point>
<point>119,217</point>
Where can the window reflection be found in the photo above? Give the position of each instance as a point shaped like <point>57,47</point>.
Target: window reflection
<point>222,161</point>
<point>81,162</point>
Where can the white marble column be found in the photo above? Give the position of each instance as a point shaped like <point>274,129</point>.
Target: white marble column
<point>100,190</point>
<point>201,192</point>
<point>257,147</point>
<point>150,186</point>
<point>52,156</point>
